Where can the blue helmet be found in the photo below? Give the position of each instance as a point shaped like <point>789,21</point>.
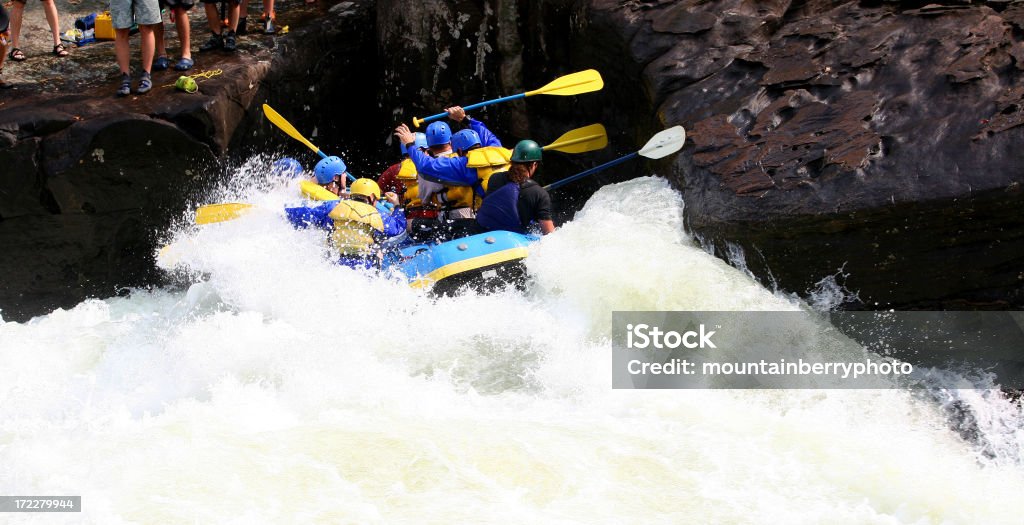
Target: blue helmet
<point>287,167</point>
<point>465,139</point>
<point>438,133</point>
<point>421,142</point>
<point>329,168</point>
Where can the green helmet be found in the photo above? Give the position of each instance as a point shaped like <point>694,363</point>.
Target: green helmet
<point>527,151</point>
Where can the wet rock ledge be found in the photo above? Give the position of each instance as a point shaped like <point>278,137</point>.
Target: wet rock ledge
<point>87,180</point>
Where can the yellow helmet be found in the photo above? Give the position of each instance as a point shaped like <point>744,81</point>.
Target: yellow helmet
<point>366,188</point>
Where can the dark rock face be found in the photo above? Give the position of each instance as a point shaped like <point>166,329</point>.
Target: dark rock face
<point>88,181</point>
<point>877,140</point>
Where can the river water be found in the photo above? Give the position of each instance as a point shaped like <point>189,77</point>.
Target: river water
<point>282,388</point>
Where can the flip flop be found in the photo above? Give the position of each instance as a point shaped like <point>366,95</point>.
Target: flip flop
<point>161,63</point>
<point>184,64</point>
<point>16,55</point>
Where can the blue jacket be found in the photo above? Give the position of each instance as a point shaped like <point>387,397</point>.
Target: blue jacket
<point>318,216</point>
<point>453,171</point>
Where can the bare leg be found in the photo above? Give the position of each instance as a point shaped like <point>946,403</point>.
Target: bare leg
<point>232,16</point>
<point>17,11</point>
<point>158,36</point>
<point>244,8</point>
<point>50,8</point>
<point>121,49</point>
<point>212,18</point>
<point>268,8</point>
<point>184,31</point>
<point>148,45</point>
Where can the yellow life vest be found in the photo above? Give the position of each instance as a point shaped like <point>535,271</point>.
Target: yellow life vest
<point>486,161</point>
<point>407,174</point>
<point>354,225</point>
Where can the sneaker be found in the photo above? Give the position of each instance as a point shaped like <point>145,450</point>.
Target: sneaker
<point>145,83</point>
<point>229,41</point>
<point>215,42</point>
<point>241,26</point>
<point>268,27</point>
<point>126,85</point>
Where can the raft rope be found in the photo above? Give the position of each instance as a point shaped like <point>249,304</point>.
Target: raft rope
<point>204,75</point>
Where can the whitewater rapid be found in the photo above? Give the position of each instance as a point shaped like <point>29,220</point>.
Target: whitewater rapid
<point>281,388</point>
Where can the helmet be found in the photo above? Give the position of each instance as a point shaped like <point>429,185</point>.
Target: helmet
<point>438,133</point>
<point>527,151</point>
<point>465,139</point>
<point>421,142</point>
<point>287,167</point>
<point>329,168</point>
<point>366,188</point>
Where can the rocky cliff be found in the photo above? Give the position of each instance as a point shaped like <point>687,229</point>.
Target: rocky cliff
<point>88,181</point>
<point>876,141</point>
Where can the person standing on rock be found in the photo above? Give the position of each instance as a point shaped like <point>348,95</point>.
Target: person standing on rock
<point>5,22</point>
<point>222,37</point>
<point>268,18</point>
<point>17,12</point>
<point>179,16</point>
<point>146,13</point>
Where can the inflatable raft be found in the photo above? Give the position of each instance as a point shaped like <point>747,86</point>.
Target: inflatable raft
<point>480,262</point>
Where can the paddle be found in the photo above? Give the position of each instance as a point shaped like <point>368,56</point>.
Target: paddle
<point>212,213</point>
<point>285,126</point>
<point>580,140</point>
<point>662,144</point>
<point>572,84</point>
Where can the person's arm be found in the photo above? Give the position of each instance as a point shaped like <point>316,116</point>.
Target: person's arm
<point>303,217</point>
<point>543,213</point>
<point>445,170</point>
<point>487,138</point>
<point>394,223</point>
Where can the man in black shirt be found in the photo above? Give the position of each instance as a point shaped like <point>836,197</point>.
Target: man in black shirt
<point>514,199</point>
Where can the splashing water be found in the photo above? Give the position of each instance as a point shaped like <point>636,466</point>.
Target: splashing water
<point>283,388</point>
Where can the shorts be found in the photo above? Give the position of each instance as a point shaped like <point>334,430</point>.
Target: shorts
<point>175,4</point>
<point>143,12</point>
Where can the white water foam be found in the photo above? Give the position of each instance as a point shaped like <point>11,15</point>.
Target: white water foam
<point>286,389</point>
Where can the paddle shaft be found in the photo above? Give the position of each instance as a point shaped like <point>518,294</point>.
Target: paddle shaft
<point>591,171</point>
<point>473,106</point>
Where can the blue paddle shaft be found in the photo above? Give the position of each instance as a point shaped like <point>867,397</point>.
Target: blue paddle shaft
<point>475,106</point>
<point>592,171</point>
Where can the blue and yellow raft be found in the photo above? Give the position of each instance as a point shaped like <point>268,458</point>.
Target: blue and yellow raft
<point>482,262</point>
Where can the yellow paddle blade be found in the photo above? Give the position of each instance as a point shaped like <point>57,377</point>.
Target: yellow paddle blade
<point>286,126</point>
<point>590,138</point>
<point>572,84</point>
<point>316,192</point>
<point>212,213</point>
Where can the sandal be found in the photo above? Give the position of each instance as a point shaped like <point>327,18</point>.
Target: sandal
<point>161,63</point>
<point>60,50</point>
<point>16,55</point>
<point>184,64</point>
